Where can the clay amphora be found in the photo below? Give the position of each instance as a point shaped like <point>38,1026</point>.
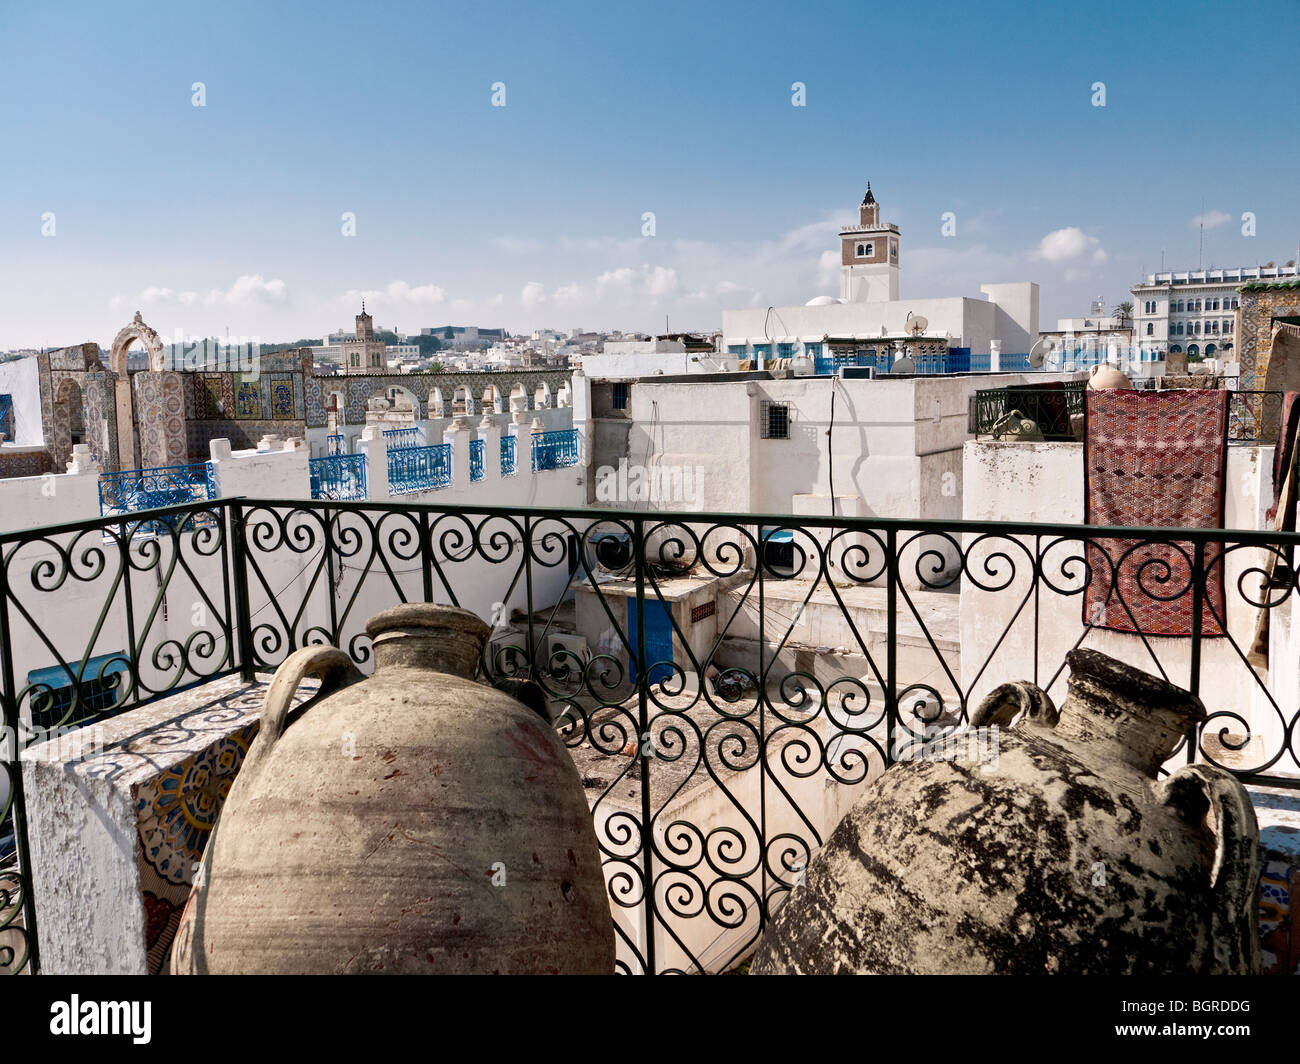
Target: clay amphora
<point>415,821</point>
<point>1047,846</point>
<point>1105,376</point>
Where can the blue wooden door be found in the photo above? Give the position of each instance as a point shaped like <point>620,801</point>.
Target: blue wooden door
<point>658,638</point>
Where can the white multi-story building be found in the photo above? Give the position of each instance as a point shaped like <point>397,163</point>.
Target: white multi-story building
<point>1192,311</point>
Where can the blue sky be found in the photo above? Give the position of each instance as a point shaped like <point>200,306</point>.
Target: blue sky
<point>230,215</point>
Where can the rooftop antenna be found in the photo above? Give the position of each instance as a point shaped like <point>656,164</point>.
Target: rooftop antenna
<point>1200,252</point>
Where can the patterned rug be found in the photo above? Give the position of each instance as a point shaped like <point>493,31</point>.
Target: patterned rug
<point>1153,459</point>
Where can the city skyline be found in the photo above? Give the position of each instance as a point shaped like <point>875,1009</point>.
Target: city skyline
<point>990,153</point>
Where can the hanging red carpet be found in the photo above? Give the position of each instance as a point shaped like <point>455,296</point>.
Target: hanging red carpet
<point>1154,459</point>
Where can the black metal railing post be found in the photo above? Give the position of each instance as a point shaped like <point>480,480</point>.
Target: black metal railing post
<point>534,667</point>
<point>426,560</point>
<point>891,643</point>
<point>17,797</point>
<point>333,572</point>
<point>1198,600</point>
<point>243,609</point>
<point>763,666</point>
<point>645,743</point>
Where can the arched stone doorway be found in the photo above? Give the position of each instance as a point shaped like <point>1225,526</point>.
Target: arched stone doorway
<point>136,331</point>
<point>150,403</point>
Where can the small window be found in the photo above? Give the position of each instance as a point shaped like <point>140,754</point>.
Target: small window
<point>775,420</point>
<point>97,695</point>
<point>1151,328</point>
<point>620,396</point>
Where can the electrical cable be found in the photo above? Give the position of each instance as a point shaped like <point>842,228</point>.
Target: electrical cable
<point>830,449</point>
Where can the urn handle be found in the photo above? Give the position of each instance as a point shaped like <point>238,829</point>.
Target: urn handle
<point>1019,698</point>
<point>335,669</point>
<point>1221,804</point>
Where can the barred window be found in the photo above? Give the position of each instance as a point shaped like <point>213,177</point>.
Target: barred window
<point>620,396</point>
<point>775,420</point>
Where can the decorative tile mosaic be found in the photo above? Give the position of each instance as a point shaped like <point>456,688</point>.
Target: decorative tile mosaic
<point>282,397</point>
<point>175,814</point>
<point>159,410</point>
<point>248,400</point>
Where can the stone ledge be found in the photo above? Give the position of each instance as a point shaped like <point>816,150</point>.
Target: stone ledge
<point>116,832</point>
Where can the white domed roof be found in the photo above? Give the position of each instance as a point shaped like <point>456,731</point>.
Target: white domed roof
<point>822,301</point>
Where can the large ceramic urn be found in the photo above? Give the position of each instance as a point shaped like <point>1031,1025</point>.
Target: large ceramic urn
<point>1043,842</point>
<point>1105,377</point>
<point>413,821</point>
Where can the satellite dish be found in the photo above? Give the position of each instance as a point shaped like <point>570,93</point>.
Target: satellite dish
<point>918,324</point>
<point>903,365</point>
<point>1036,359</point>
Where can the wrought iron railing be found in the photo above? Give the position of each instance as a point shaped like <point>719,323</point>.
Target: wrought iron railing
<point>719,738</point>
<point>475,459</point>
<point>1053,407</point>
<point>419,468</point>
<point>555,450</point>
<point>338,477</point>
<point>133,490</point>
<point>406,437</point>
<point>507,454</point>
<point>1253,416</point>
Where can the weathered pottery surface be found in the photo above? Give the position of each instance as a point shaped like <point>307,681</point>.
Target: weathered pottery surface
<point>1015,426</point>
<point>416,821</point>
<point>1065,853</point>
<point>1107,376</point>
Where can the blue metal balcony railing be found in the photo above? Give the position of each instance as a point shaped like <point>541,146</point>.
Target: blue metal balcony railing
<point>132,490</point>
<point>507,456</point>
<point>555,450</point>
<point>337,444</point>
<point>339,477</point>
<point>475,459</point>
<point>419,468</point>
<point>397,438</point>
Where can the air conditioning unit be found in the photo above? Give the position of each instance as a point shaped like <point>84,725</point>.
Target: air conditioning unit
<point>499,658</point>
<point>570,646</point>
<point>856,373</point>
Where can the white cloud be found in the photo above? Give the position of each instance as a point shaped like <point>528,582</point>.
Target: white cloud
<point>653,281</point>
<point>1211,219</point>
<point>250,289</point>
<point>533,294</point>
<point>1069,245</point>
<point>398,293</point>
<point>569,295</point>
<point>828,269</point>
